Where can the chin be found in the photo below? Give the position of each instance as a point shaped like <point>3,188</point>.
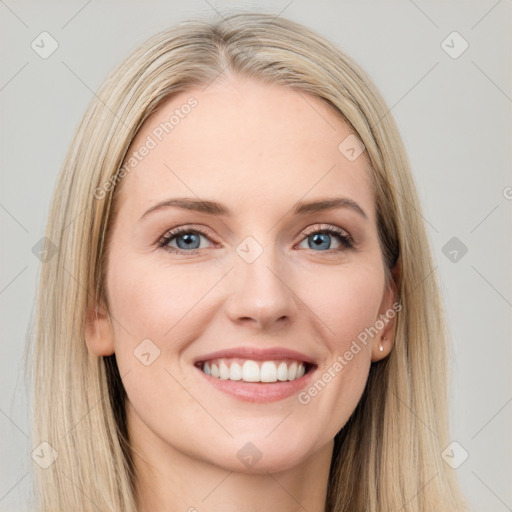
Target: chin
<point>260,456</point>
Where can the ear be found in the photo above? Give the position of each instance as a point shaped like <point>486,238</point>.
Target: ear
<point>99,335</point>
<point>385,322</point>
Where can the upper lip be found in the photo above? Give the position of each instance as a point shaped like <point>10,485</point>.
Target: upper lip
<point>257,354</point>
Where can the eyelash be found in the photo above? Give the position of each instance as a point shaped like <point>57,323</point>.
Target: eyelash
<point>346,241</point>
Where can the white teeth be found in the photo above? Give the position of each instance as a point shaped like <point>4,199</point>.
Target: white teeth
<point>254,371</point>
<point>268,372</point>
<point>282,372</point>
<point>224,371</point>
<point>251,371</point>
<point>292,371</point>
<point>235,371</point>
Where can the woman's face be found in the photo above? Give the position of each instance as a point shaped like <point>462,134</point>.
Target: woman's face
<point>254,284</point>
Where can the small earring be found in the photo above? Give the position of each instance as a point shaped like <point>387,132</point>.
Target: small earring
<point>381,348</point>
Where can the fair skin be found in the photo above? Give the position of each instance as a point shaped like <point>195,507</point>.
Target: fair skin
<point>257,149</point>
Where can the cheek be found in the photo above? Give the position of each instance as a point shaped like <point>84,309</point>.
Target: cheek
<point>157,309</point>
<point>346,301</point>
<point>154,301</point>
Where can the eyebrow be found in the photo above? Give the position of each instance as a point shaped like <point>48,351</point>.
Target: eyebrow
<point>220,210</point>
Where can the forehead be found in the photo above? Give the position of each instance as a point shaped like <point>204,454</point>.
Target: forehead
<point>245,142</point>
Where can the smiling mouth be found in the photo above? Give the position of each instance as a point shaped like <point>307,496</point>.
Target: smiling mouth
<point>249,370</point>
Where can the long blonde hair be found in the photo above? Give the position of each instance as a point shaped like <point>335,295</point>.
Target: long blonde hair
<point>388,455</point>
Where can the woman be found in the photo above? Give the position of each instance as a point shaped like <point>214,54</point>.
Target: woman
<point>242,313</point>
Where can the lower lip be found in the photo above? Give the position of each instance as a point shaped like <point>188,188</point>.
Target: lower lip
<point>259,391</point>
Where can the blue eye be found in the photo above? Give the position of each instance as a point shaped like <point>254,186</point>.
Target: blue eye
<point>321,239</point>
<point>188,240</point>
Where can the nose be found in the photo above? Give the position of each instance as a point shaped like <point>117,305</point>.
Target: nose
<point>259,294</point>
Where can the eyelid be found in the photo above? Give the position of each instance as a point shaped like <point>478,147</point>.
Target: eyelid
<point>325,227</point>
<point>189,227</point>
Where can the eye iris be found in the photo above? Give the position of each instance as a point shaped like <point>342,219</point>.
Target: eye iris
<point>189,240</point>
<point>318,241</point>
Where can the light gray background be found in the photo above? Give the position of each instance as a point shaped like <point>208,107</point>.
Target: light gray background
<point>455,119</point>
